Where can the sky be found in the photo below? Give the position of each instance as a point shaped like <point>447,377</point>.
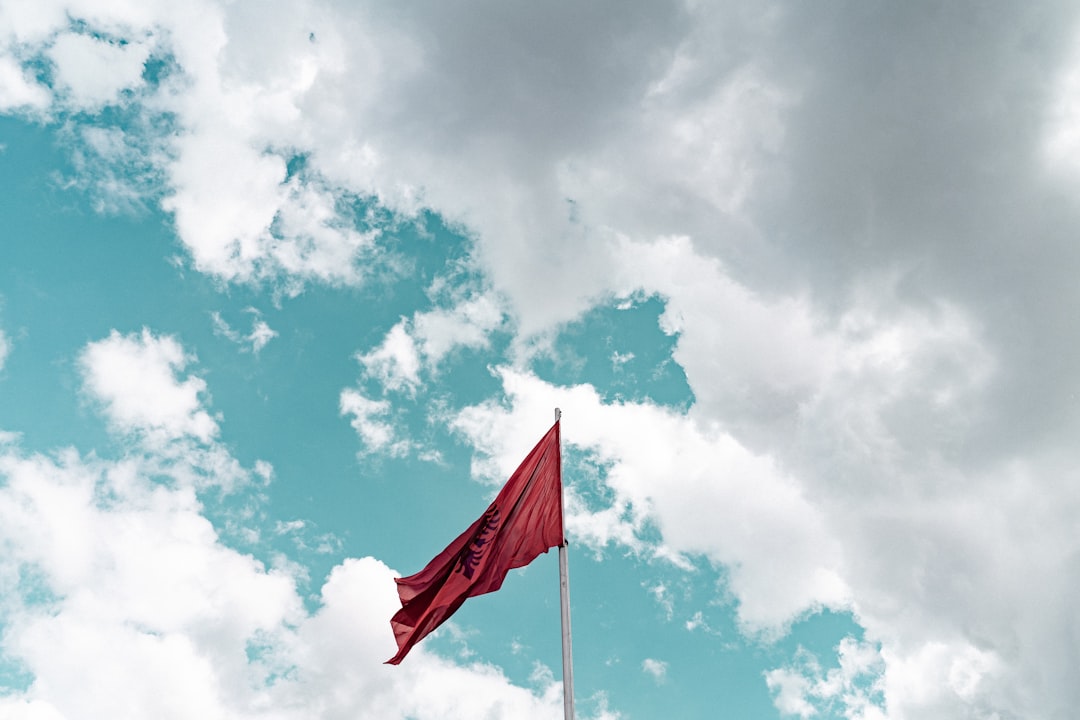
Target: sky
<point>289,288</point>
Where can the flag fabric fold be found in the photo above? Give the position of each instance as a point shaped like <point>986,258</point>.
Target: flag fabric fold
<point>523,521</point>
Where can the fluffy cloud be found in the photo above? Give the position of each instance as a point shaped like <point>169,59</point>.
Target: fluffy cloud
<point>429,336</point>
<point>931,568</point>
<point>18,91</point>
<point>396,361</point>
<point>466,324</point>
<point>139,589</point>
<point>706,493</point>
<point>378,434</point>
<point>853,689</point>
<point>657,669</point>
<point>121,600</point>
<point>134,379</point>
<point>91,72</point>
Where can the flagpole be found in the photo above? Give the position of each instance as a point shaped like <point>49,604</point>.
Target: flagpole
<point>564,602</point>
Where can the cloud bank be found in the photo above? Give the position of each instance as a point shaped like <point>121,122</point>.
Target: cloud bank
<point>861,221</point>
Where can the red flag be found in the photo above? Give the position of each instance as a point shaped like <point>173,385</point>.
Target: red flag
<point>524,520</point>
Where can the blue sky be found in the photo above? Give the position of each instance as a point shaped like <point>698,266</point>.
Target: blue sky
<point>288,289</point>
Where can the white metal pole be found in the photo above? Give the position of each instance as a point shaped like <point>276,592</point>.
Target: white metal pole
<point>564,597</point>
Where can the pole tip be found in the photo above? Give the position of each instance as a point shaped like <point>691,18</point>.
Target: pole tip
<point>558,414</point>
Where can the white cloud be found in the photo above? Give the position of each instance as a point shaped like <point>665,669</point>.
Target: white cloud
<point>25,21</point>
<point>121,600</point>
<point>748,358</point>
<point>411,349</point>
<point>378,435</point>
<point>137,590</point>
<point>466,324</point>
<point>420,343</point>
<point>842,541</point>
<point>261,333</point>
<point>92,71</point>
<point>954,675</point>
<point>706,493</point>
<point>854,689</point>
<point>134,377</point>
<point>137,609</point>
<point>790,689</point>
<point>697,622</point>
<point>134,380</point>
<point>656,668</point>
<point>662,595</point>
<point>17,90</point>
<point>395,362</point>
<point>5,348</point>
<point>246,105</point>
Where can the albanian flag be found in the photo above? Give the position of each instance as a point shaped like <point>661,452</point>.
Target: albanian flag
<point>524,520</point>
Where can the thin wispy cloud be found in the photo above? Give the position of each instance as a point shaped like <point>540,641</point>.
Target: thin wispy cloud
<point>261,333</point>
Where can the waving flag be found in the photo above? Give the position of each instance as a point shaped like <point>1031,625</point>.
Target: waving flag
<point>524,520</point>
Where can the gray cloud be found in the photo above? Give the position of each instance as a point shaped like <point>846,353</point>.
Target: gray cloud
<point>916,149</point>
<point>875,287</point>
